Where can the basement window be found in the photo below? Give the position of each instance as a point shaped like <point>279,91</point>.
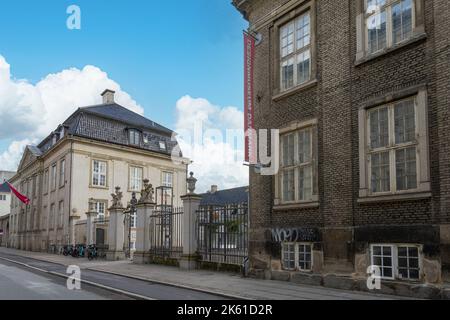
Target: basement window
<point>296,256</point>
<point>397,261</point>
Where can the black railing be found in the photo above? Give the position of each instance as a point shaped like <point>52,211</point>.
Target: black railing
<point>166,232</point>
<point>223,233</point>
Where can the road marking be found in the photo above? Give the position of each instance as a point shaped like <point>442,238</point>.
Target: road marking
<point>127,293</point>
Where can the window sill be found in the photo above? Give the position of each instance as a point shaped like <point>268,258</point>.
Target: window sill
<point>294,90</point>
<point>303,205</point>
<point>396,197</point>
<point>98,187</point>
<point>373,56</point>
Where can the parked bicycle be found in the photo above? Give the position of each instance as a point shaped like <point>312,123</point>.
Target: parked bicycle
<point>81,248</point>
<point>68,250</point>
<point>92,252</point>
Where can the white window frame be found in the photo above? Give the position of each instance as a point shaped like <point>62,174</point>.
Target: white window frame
<point>395,264</point>
<point>52,216</point>
<point>295,127</point>
<point>98,204</point>
<point>166,183</point>
<point>62,172</point>
<point>61,213</point>
<point>100,173</point>
<point>296,255</point>
<point>296,53</point>
<point>54,176</point>
<point>46,180</point>
<point>135,181</point>
<point>421,143</point>
<point>133,136</point>
<point>389,24</point>
<point>392,148</point>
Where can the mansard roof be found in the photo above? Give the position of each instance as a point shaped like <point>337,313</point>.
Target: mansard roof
<point>117,112</point>
<point>110,123</point>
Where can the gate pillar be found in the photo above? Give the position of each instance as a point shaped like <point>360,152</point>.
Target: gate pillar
<point>144,209</point>
<point>91,214</point>
<point>116,228</point>
<point>190,258</point>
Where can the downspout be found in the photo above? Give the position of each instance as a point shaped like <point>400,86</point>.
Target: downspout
<point>71,229</point>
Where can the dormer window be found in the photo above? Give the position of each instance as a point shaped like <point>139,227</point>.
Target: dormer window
<point>162,145</point>
<point>134,137</point>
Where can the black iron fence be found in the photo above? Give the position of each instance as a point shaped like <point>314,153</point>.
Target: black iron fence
<point>223,233</point>
<point>166,232</point>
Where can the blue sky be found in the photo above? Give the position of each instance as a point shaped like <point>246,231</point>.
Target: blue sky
<point>158,51</point>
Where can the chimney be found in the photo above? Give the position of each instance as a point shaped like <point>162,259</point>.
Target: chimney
<point>214,189</point>
<point>108,96</point>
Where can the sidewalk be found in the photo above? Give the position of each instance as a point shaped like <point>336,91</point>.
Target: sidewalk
<point>225,284</point>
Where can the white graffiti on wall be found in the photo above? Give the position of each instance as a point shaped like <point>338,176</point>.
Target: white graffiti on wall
<point>293,234</point>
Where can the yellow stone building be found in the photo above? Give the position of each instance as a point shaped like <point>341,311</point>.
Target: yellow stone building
<point>96,149</point>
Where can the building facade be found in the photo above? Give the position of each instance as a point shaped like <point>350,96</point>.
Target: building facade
<point>96,149</point>
<point>360,93</point>
<point>5,192</point>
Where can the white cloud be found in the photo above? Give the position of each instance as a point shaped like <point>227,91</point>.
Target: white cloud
<point>213,137</point>
<point>11,157</point>
<point>29,112</point>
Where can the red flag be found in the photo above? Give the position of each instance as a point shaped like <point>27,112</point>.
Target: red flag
<point>20,196</point>
<point>249,123</point>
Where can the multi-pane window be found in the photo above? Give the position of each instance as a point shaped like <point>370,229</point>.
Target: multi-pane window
<point>45,181</point>
<point>388,22</point>
<point>162,145</point>
<point>62,173</point>
<point>99,173</point>
<point>382,256</point>
<point>167,181</point>
<point>136,175</point>
<point>100,208</point>
<point>304,256</point>
<point>61,214</point>
<point>297,166</point>
<point>288,256</point>
<point>54,177</point>
<point>134,137</point>
<point>52,216</point>
<point>2,197</point>
<point>34,186</point>
<point>295,52</point>
<point>393,147</point>
<point>408,262</point>
<point>396,261</point>
<point>296,256</point>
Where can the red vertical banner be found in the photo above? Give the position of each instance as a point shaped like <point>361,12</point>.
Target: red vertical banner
<point>249,122</point>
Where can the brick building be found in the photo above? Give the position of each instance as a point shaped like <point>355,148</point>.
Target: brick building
<point>360,92</point>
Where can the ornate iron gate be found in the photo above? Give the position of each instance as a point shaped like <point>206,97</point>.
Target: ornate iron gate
<point>223,233</point>
<point>166,225</point>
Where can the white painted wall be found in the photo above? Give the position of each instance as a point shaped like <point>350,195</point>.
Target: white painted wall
<point>5,205</point>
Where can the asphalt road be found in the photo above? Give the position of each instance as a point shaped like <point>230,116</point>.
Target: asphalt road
<point>30,283</point>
